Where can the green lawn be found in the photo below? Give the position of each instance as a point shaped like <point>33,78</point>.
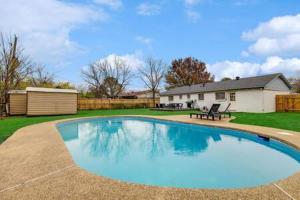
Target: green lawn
<point>289,121</point>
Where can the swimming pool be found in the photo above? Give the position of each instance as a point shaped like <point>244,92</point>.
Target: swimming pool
<point>164,153</point>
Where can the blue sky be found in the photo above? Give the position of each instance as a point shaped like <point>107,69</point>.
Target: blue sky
<point>234,37</point>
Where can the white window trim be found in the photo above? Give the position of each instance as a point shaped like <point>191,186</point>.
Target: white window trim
<point>220,100</point>
<point>234,96</point>
<point>203,97</point>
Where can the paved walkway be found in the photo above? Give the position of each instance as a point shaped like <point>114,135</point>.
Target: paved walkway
<point>35,164</point>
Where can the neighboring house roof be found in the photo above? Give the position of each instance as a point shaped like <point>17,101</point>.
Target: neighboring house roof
<point>237,84</point>
<point>135,93</point>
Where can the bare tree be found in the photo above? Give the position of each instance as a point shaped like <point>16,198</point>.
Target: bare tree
<point>152,74</point>
<point>111,87</point>
<point>295,82</point>
<point>2,105</point>
<point>41,78</point>
<point>108,78</point>
<point>1,83</point>
<point>14,66</point>
<point>117,75</point>
<point>94,78</point>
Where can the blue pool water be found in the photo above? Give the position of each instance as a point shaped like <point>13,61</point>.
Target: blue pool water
<point>163,153</point>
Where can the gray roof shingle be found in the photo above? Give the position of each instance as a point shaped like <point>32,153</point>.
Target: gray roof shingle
<point>243,83</point>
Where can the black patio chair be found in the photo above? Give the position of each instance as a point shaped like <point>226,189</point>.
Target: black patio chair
<point>226,111</point>
<point>162,105</point>
<point>213,113</point>
<point>180,105</point>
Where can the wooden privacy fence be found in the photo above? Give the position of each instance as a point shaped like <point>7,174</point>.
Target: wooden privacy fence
<point>288,103</point>
<point>98,104</point>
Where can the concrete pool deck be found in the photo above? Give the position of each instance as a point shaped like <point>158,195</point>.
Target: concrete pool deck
<point>35,164</point>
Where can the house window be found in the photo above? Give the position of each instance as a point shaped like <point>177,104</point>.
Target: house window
<point>180,96</point>
<point>232,96</point>
<point>188,96</point>
<point>171,98</point>
<point>201,97</point>
<point>220,95</point>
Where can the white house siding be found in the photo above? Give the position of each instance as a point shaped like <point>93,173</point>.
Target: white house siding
<point>249,101</point>
<point>269,102</point>
<point>164,99</point>
<point>246,100</point>
<point>254,100</point>
<point>277,85</point>
<point>210,99</point>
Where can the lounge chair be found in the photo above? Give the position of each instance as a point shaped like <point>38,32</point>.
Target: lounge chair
<point>171,106</point>
<point>195,113</point>
<point>226,111</point>
<point>178,106</point>
<point>213,113</point>
<point>162,105</point>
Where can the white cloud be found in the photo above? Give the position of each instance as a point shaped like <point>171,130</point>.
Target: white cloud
<point>274,64</point>
<point>114,4</point>
<point>44,26</point>
<point>132,60</point>
<point>279,36</point>
<point>148,9</point>
<point>232,69</point>
<point>191,2</point>
<point>192,16</point>
<point>245,54</point>
<point>144,40</point>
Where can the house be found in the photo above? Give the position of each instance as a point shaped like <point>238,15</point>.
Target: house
<point>145,94</point>
<point>42,101</point>
<point>252,94</point>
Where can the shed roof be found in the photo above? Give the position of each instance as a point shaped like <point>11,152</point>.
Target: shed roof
<point>53,90</point>
<point>17,92</point>
<point>243,83</point>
